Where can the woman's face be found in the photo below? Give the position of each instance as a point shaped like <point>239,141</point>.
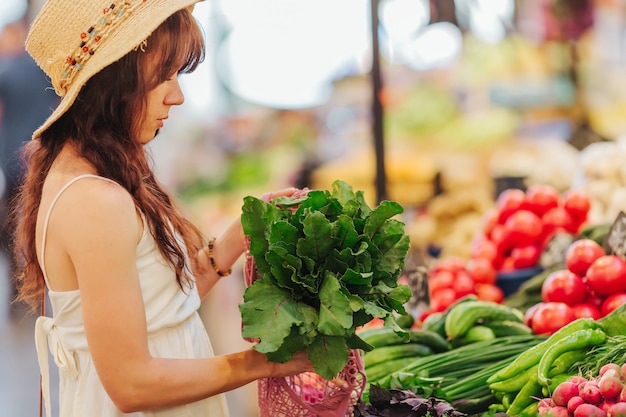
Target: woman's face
<point>158,104</point>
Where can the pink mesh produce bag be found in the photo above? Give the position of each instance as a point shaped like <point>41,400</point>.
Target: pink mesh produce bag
<point>308,394</point>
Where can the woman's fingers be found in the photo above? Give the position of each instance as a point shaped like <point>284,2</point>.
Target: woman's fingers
<point>286,192</point>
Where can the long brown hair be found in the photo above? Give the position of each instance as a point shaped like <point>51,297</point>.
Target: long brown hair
<point>101,124</point>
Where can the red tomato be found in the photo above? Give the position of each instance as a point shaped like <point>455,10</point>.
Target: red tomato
<point>525,256</point>
<point>452,264</point>
<point>440,280</point>
<point>581,254</point>
<point>483,248</point>
<point>592,298</point>
<point>489,292</point>
<point>489,220</point>
<point>524,227</point>
<point>541,197</point>
<point>557,219</point>
<point>607,275</point>
<point>507,265</point>
<point>563,286</point>
<point>550,317</point>
<point>577,203</point>
<point>528,315</point>
<point>501,236</point>
<point>508,202</point>
<point>440,300</point>
<point>586,310</point>
<point>612,302</point>
<point>463,285</point>
<point>481,270</point>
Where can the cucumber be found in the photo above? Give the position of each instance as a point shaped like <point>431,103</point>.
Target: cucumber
<point>435,322</point>
<point>388,353</point>
<point>478,333</point>
<point>387,337</point>
<point>507,327</point>
<point>464,315</point>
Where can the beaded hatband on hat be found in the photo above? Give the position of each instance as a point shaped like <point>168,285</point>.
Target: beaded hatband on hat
<point>72,40</point>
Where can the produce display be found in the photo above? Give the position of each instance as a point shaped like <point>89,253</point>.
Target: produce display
<point>458,349</point>
<point>517,230</point>
<point>600,394</point>
<point>592,283</point>
<point>509,370</point>
<point>452,278</point>
<point>555,360</point>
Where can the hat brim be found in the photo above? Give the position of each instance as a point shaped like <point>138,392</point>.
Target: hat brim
<point>137,28</point>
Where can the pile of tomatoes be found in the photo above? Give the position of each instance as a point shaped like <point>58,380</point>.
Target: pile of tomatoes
<point>592,285</point>
<point>516,230</point>
<point>452,278</point>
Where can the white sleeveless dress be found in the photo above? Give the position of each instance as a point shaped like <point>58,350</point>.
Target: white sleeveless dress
<point>175,330</point>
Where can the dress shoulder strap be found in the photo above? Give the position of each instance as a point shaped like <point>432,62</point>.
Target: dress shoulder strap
<point>47,219</point>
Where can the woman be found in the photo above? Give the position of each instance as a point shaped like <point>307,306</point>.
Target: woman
<point>124,270</point>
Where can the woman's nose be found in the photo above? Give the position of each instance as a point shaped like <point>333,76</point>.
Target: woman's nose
<point>175,96</point>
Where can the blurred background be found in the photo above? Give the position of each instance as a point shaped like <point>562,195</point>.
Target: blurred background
<point>436,104</point>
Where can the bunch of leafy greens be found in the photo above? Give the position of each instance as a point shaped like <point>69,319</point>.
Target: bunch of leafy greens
<point>327,263</point>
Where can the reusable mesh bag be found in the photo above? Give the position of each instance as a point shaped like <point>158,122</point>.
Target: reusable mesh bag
<point>308,394</point>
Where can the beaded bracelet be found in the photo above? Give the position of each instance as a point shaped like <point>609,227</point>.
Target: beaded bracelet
<point>213,264</point>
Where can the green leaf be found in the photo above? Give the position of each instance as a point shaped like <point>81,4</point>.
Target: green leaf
<point>329,355</point>
<point>344,232</point>
<point>386,210</point>
<point>269,313</point>
<point>355,342</point>
<point>335,311</point>
<point>318,238</point>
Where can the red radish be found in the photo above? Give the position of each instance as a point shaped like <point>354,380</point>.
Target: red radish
<point>622,396</point>
<point>623,370</point>
<point>590,393</point>
<point>610,386</point>
<point>544,405</point>
<point>589,410</point>
<point>617,410</point>
<point>558,411</point>
<point>608,366</point>
<point>564,392</point>
<point>578,379</point>
<point>605,405</point>
<point>574,402</point>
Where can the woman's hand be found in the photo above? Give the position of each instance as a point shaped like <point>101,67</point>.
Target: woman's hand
<point>298,364</point>
<point>286,192</point>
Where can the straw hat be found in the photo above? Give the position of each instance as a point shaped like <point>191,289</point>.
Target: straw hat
<point>72,40</point>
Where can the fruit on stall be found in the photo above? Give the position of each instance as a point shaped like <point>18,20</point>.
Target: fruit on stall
<point>601,395</point>
<point>527,386</point>
<point>516,231</point>
<point>453,278</point>
<point>592,284</point>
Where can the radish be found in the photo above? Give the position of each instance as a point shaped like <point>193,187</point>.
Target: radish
<point>589,410</point>
<point>622,396</point>
<point>563,392</point>
<point>590,393</point>
<point>578,379</point>
<point>574,402</point>
<point>558,411</point>
<point>544,406</point>
<point>610,366</point>
<point>617,410</point>
<point>606,404</point>
<point>610,386</point>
